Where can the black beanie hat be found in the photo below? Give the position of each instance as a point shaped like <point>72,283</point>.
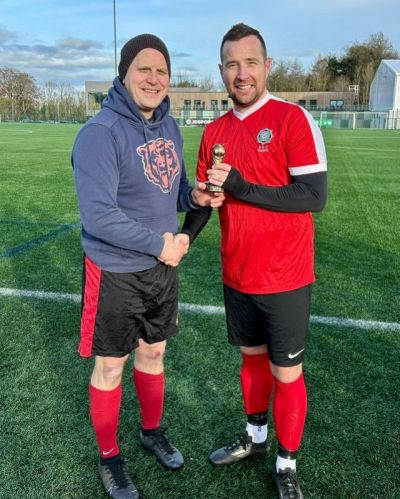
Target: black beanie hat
<point>131,49</point>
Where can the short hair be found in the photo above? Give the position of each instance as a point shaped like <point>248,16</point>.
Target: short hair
<point>239,31</point>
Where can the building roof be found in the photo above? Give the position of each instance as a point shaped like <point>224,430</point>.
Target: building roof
<point>392,64</point>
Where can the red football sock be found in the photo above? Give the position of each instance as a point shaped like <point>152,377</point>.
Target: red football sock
<point>290,409</point>
<point>104,411</point>
<point>257,382</point>
<point>150,390</point>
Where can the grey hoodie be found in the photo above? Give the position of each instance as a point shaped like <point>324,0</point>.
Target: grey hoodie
<point>130,180</point>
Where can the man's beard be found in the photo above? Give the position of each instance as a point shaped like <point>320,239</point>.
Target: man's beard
<point>243,104</point>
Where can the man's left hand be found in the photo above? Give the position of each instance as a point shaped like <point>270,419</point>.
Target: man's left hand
<point>219,173</point>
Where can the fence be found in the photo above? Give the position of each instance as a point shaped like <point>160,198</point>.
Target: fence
<point>352,120</point>
<point>325,119</point>
<point>201,117</point>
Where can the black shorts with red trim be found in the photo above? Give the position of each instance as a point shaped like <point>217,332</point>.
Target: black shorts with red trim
<point>279,320</point>
<point>120,308</point>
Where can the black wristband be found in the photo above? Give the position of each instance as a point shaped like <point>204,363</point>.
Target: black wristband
<point>194,221</point>
<point>235,183</point>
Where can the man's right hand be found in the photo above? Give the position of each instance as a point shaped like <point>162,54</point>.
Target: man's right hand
<point>174,249</point>
<point>202,197</point>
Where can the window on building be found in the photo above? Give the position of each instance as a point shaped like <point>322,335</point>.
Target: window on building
<point>224,105</point>
<point>214,104</point>
<point>187,103</point>
<point>301,102</point>
<point>313,104</point>
<point>337,104</point>
<point>197,104</point>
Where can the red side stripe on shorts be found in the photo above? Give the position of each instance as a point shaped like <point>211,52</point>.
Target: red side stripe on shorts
<point>90,302</point>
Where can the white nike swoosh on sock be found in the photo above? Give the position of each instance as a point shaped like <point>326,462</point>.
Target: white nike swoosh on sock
<point>105,453</point>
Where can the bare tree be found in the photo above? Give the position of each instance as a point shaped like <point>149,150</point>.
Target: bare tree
<point>319,76</point>
<point>287,76</point>
<point>67,98</point>
<point>278,77</point>
<point>297,77</point>
<point>62,102</point>
<point>18,92</point>
<point>79,112</point>
<point>207,84</point>
<point>340,84</point>
<point>181,79</point>
<point>50,100</point>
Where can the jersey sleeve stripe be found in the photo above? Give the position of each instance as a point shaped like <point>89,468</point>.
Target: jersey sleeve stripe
<point>304,170</point>
<point>318,139</point>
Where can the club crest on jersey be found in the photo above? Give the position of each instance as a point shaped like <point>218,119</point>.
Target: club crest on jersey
<point>264,137</point>
<point>160,162</point>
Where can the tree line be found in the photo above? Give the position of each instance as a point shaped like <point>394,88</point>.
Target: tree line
<point>356,67</point>
<point>21,97</point>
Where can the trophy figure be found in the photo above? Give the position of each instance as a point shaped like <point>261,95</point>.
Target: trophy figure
<point>218,154</point>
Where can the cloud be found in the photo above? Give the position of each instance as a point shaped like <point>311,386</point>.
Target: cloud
<point>6,36</point>
<point>38,49</point>
<point>302,53</point>
<point>79,44</point>
<point>69,59</point>
<point>177,55</point>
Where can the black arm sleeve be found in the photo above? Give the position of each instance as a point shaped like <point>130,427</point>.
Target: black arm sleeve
<point>194,222</point>
<point>306,193</point>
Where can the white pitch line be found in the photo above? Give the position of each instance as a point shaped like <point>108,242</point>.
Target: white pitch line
<point>40,295</point>
<point>356,323</point>
<point>207,309</point>
<point>15,131</point>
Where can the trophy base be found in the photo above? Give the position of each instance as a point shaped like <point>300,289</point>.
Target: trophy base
<point>214,188</point>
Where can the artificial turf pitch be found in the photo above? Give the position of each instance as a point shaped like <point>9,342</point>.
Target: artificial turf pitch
<point>351,443</point>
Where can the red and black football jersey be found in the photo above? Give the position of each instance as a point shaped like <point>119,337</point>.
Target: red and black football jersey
<point>265,251</point>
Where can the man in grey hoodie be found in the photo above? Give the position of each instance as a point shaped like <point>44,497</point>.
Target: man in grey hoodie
<point>131,181</point>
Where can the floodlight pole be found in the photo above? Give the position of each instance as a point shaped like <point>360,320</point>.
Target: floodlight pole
<point>115,41</point>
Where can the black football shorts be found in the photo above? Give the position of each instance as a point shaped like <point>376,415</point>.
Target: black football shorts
<point>279,320</point>
<point>120,308</point>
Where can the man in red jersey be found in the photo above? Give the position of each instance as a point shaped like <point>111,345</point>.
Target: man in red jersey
<point>274,175</point>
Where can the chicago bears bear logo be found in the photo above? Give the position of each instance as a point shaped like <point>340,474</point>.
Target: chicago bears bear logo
<point>160,162</point>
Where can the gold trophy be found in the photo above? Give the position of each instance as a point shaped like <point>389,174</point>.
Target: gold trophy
<point>218,154</point>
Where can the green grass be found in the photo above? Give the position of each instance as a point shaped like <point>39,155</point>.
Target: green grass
<point>351,442</point>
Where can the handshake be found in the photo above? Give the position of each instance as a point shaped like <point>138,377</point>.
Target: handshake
<point>175,247</point>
